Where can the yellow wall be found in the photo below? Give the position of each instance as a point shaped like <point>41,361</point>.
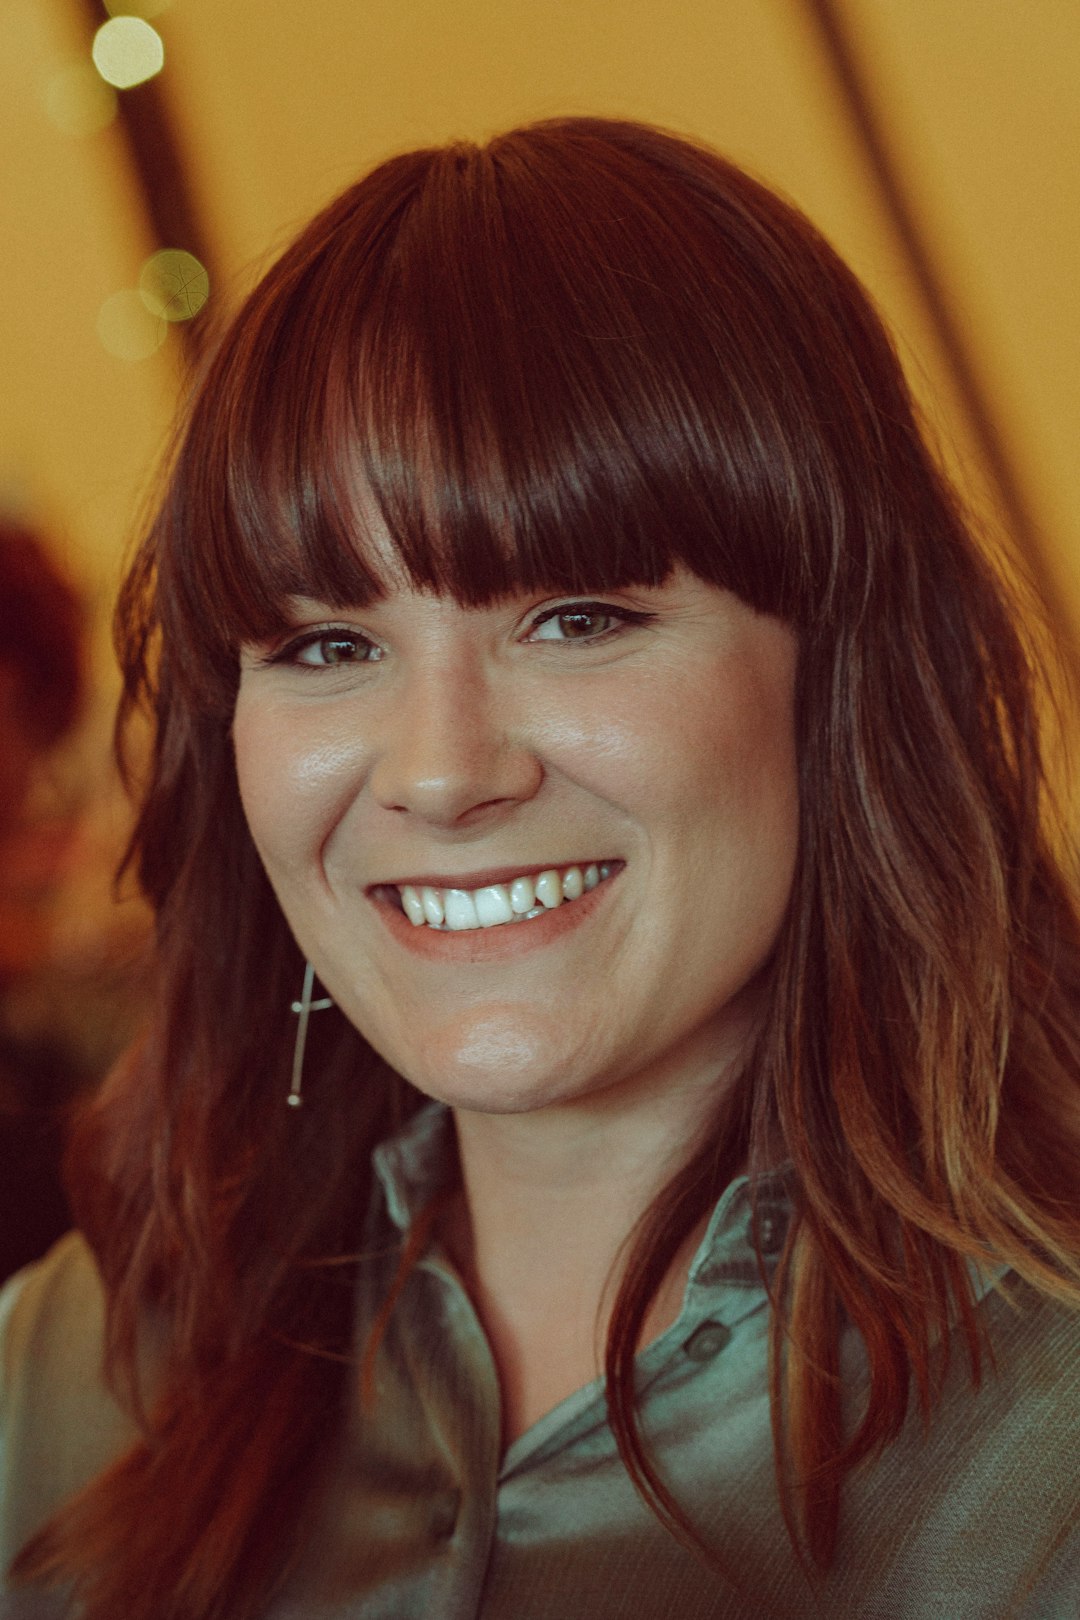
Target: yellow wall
<point>279,105</point>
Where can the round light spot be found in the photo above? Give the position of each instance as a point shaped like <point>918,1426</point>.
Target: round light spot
<point>128,329</point>
<point>127,51</point>
<point>174,285</point>
<point>77,100</point>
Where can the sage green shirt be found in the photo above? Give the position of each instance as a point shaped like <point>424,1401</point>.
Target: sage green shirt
<point>423,1517</point>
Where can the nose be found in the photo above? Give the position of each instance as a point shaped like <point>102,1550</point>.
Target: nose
<point>451,751</point>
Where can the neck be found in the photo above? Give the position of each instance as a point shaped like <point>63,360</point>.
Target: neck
<point>557,1196</point>
<point>539,1234</point>
<point>558,1188</point>
<point>548,1202</point>
<point>539,1231</point>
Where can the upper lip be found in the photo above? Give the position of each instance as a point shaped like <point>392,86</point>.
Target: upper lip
<point>484,879</point>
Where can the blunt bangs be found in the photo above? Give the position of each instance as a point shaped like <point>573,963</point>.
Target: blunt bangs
<point>566,361</point>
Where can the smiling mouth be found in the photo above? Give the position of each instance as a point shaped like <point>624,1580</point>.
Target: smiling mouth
<point>495,905</point>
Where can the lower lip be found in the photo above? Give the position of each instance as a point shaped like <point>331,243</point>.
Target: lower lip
<point>493,944</point>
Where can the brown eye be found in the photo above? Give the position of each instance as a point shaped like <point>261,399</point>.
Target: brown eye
<point>583,624</point>
<point>338,649</point>
<point>575,624</point>
<point>331,648</point>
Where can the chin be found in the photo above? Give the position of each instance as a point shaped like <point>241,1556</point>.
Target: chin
<point>497,1066</point>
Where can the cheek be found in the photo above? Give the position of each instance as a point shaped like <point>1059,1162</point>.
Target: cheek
<point>711,750</point>
<point>296,779</point>
<point>749,772</point>
<point>746,760</point>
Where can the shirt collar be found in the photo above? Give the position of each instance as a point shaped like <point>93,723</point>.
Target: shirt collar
<point>414,1165</point>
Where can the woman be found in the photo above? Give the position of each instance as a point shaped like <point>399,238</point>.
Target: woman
<point>561,643</point>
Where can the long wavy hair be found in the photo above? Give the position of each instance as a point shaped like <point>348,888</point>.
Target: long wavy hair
<point>571,359</point>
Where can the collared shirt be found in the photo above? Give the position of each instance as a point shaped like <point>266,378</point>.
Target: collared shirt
<point>422,1516</point>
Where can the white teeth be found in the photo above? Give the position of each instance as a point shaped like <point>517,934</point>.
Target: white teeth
<point>549,889</point>
<point>522,895</point>
<point>493,905</point>
<point>431,900</point>
<point>460,909</point>
<point>413,908</point>
<point>497,903</point>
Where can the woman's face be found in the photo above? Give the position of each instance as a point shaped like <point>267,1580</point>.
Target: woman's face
<point>648,732</point>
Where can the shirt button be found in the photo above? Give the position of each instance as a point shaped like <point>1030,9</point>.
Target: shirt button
<point>707,1341</point>
<point>772,1229</point>
<point>444,1515</point>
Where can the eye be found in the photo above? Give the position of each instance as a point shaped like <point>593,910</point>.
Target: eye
<point>324,649</point>
<point>584,621</point>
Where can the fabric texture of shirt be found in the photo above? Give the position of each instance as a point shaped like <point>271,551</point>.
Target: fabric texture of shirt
<point>422,1516</point>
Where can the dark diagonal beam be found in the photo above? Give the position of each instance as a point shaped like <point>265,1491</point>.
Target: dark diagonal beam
<point>161,172</point>
<point>854,85</point>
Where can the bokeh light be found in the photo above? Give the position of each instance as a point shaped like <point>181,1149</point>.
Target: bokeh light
<point>127,51</point>
<point>128,329</point>
<point>174,285</point>
<point>78,100</point>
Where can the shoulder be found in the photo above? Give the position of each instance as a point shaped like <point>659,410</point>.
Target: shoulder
<point>1022,1485</point>
<point>975,1512</point>
<point>64,1286</point>
<point>59,1425</point>
<point>1034,1353</point>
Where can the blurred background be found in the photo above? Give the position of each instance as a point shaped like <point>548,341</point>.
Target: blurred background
<point>158,154</point>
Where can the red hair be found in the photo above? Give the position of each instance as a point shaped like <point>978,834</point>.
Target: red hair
<point>571,359</point>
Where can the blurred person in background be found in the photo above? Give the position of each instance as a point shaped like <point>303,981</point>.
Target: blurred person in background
<point>563,646</point>
<point>42,681</point>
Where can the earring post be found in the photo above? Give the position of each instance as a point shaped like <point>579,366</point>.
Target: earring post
<point>304,1007</point>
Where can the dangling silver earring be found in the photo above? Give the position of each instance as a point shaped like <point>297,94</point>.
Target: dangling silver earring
<point>304,1007</point>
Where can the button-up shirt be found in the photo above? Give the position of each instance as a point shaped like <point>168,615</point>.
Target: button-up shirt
<point>423,1516</point>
